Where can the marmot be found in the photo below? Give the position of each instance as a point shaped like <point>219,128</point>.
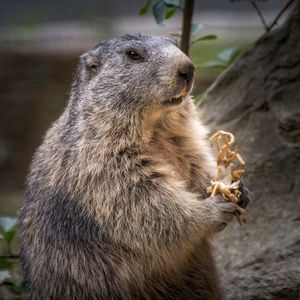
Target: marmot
<point>116,204</point>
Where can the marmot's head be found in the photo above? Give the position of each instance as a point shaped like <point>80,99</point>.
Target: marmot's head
<point>135,71</point>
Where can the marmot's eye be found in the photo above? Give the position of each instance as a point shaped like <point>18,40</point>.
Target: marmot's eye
<point>134,55</point>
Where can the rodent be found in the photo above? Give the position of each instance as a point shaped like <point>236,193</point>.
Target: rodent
<point>116,204</point>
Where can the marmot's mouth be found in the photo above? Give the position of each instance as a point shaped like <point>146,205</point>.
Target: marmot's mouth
<point>173,101</point>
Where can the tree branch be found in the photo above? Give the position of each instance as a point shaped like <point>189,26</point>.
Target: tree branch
<point>260,15</point>
<point>266,26</point>
<point>186,25</point>
<point>286,6</point>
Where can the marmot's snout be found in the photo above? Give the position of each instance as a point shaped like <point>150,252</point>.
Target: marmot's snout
<point>182,78</point>
<point>186,73</point>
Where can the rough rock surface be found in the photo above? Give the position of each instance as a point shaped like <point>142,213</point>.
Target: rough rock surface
<point>258,99</point>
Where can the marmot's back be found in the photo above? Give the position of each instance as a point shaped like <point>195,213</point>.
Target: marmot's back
<point>115,204</point>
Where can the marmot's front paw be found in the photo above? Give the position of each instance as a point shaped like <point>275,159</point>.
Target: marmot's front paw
<point>244,198</point>
<point>219,212</point>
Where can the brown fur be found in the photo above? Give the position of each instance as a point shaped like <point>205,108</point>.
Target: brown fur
<point>116,205</point>
<point>176,143</point>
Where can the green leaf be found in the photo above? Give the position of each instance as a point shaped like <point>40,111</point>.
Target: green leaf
<point>7,223</point>
<point>175,3</point>
<point>159,11</point>
<point>229,55</point>
<point>209,37</point>
<point>170,12</point>
<point>196,28</point>
<point>145,8</point>
<point>214,64</point>
<point>8,236</point>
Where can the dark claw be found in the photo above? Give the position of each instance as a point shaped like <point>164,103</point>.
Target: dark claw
<point>244,197</point>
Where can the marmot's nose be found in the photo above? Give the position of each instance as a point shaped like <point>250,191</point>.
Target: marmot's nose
<point>186,72</point>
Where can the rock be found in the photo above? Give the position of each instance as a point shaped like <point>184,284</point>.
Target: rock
<point>258,99</point>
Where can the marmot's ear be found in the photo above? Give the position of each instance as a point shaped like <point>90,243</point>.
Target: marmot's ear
<point>90,61</point>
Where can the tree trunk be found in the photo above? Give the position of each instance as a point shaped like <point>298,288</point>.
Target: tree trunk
<point>258,99</point>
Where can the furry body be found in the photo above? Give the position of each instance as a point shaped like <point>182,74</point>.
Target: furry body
<point>116,206</point>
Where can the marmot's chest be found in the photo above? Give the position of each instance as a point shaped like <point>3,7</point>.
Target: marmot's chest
<point>176,156</point>
<point>177,153</point>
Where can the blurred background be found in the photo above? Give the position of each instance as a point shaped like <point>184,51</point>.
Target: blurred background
<point>40,42</point>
